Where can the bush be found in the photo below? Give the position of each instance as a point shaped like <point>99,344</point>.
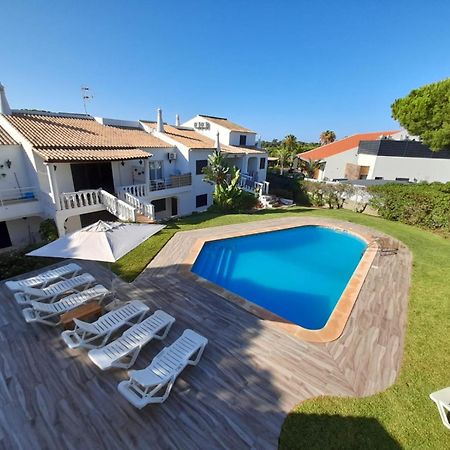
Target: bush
<point>48,230</point>
<point>288,186</point>
<point>15,263</point>
<point>245,202</point>
<point>424,205</point>
<point>332,195</point>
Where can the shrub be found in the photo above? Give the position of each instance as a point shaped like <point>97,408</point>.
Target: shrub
<point>424,205</point>
<point>48,230</point>
<point>288,186</point>
<point>16,262</point>
<point>332,195</point>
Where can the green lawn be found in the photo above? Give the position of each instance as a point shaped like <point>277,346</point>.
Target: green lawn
<point>402,416</point>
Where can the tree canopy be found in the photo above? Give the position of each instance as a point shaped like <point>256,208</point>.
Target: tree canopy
<point>425,112</point>
<point>327,137</point>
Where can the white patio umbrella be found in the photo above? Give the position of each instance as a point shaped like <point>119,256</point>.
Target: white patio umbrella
<point>101,241</point>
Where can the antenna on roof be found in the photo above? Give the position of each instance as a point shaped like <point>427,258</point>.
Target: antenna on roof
<point>86,96</point>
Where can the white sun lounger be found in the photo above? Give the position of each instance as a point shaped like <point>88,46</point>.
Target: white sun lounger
<point>122,352</point>
<point>45,278</point>
<point>144,385</point>
<point>442,400</point>
<point>97,334</point>
<point>51,293</point>
<point>48,313</point>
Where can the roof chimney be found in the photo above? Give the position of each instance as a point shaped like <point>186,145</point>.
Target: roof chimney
<point>217,144</point>
<point>177,120</point>
<point>4,105</point>
<point>159,122</point>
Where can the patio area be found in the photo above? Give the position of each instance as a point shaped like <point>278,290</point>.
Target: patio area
<point>251,374</point>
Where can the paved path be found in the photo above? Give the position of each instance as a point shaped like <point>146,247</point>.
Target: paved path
<point>251,375</point>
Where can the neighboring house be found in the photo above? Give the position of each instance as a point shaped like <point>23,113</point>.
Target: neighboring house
<point>341,157</point>
<point>383,155</point>
<point>75,169</point>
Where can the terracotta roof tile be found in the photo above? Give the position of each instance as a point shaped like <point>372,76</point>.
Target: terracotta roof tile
<point>57,131</point>
<point>224,122</point>
<point>197,141</point>
<point>5,138</point>
<point>90,154</point>
<point>325,151</point>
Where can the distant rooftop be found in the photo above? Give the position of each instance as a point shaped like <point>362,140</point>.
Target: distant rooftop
<point>224,122</point>
<point>325,151</point>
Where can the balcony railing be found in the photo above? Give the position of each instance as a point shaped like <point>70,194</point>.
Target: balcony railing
<point>18,195</point>
<point>98,197</point>
<point>247,183</point>
<point>141,190</point>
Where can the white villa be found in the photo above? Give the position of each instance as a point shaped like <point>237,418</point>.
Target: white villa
<point>381,155</point>
<point>75,168</point>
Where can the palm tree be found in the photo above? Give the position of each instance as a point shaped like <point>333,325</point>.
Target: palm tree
<point>327,137</point>
<point>284,155</point>
<point>290,142</point>
<point>217,169</point>
<point>310,166</point>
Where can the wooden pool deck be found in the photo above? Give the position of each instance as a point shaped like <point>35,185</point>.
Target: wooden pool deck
<point>252,372</point>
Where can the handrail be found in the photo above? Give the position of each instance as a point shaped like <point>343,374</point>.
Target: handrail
<point>142,190</point>
<point>18,194</point>
<point>93,197</point>
<point>142,207</point>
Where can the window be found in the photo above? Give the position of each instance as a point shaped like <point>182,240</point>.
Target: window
<point>160,205</point>
<point>5,240</point>
<point>378,178</point>
<point>199,164</point>
<point>201,200</point>
<point>401,179</point>
<point>155,168</point>
<point>262,163</point>
<point>242,139</point>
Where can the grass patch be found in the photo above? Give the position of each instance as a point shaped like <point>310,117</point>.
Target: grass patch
<point>402,416</point>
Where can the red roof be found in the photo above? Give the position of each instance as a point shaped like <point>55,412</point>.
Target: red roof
<point>325,151</point>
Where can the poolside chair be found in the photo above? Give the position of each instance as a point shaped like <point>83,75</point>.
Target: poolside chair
<point>386,246</point>
<point>154,383</point>
<point>45,278</point>
<point>49,313</point>
<point>50,293</point>
<point>97,334</point>
<point>122,352</point>
<point>442,400</point>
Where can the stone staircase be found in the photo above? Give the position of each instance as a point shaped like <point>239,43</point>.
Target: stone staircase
<point>268,201</point>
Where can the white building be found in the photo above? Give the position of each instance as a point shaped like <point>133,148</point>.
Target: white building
<point>75,169</point>
<point>383,155</point>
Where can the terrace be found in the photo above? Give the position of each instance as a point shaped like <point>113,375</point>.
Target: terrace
<point>252,373</point>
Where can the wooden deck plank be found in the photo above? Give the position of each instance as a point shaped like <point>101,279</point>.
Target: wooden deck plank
<point>251,374</point>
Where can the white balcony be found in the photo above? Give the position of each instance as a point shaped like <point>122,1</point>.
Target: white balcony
<point>247,183</point>
<point>20,202</point>
<point>175,184</point>
<point>92,200</point>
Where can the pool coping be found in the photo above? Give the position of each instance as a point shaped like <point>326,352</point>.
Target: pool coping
<point>344,306</point>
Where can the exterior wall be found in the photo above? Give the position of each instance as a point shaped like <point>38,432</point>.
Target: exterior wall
<point>19,175</point>
<point>415,169</point>
<point>224,133</point>
<point>236,135</point>
<point>199,186</point>
<point>335,165</point>
<point>24,231</point>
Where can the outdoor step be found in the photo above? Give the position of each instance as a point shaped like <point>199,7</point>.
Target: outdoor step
<point>140,218</point>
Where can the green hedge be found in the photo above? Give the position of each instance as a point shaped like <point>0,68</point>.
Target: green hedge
<point>424,205</point>
<point>288,186</point>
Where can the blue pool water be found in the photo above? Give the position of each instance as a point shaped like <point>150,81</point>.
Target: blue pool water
<point>298,273</point>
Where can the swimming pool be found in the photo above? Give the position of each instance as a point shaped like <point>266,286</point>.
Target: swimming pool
<point>297,273</point>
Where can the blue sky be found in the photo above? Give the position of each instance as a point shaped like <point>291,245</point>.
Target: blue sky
<point>278,67</point>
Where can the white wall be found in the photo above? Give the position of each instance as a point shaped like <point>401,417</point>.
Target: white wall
<point>420,169</point>
<point>18,175</point>
<point>236,135</point>
<point>199,186</point>
<point>224,133</point>
<point>335,165</point>
<point>23,232</point>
